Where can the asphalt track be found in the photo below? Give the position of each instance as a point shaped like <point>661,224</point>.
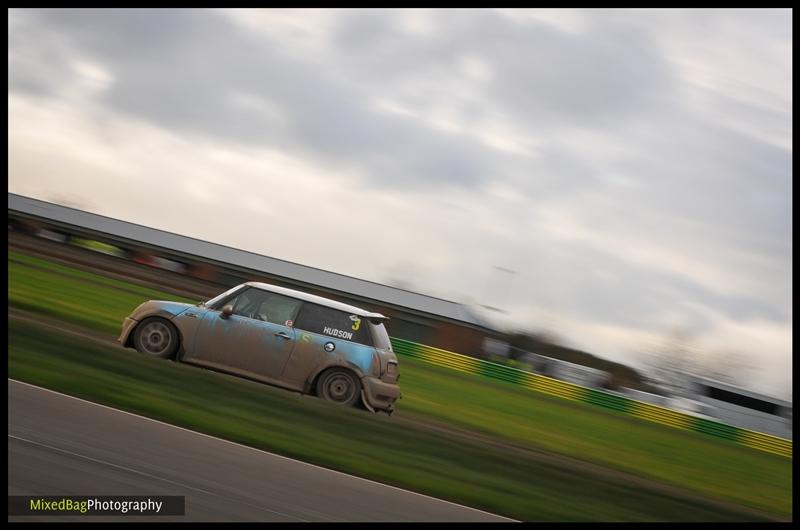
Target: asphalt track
<point>60,445</point>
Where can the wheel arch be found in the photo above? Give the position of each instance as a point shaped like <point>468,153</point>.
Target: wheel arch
<point>311,383</point>
<point>163,315</point>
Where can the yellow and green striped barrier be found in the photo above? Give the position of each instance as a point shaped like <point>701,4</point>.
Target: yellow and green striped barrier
<point>565,390</point>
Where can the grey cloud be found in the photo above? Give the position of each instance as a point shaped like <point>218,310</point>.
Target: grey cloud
<point>182,70</point>
<point>715,175</point>
<point>36,59</point>
<point>593,79</point>
<point>539,74</point>
<point>602,287</point>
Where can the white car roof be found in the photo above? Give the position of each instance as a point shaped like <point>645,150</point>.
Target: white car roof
<point>327,302</point>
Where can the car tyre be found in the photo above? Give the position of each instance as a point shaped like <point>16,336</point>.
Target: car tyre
<point>156,337</point>
<point>339,386</point>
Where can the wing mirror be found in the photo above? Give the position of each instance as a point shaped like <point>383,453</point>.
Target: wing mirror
<point>226,311</point>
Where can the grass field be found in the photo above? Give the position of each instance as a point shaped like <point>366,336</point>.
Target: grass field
<point>710,467</point>
<point>346,439</point>
<point>75,296</point>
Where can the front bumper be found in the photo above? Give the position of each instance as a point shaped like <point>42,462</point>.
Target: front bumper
<point>380,395</point>
<point>127,326</point>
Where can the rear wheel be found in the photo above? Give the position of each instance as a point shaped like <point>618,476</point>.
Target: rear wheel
<point>156,337</point>
<point>339,386</point>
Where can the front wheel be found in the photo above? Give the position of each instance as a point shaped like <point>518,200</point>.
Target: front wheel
<point>339,386</point>
<point>156,337</point>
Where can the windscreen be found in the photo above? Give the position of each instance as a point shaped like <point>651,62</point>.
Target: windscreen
<point>215,302</point>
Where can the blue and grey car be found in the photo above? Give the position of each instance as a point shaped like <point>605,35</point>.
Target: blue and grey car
<point>279,336</point>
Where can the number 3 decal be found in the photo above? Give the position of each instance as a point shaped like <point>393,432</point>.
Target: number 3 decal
<point>356,324</point>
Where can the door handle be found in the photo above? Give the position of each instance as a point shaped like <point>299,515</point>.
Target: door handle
<point>283,335</point>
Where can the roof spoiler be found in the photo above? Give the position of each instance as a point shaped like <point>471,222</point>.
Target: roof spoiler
<point>376,318</point>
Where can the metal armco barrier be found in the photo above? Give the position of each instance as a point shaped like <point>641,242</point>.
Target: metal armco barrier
<point>554,387</point>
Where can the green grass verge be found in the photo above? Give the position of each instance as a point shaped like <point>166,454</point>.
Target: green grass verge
<point>346,439</point>
<point>72,272</point>
<point>75,296</point>
<point>703,464</point>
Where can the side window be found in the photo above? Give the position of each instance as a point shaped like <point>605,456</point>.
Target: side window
<point>326,321</point>
<point>247,303</point>
<point>279,309</point>
<point>266,306</point>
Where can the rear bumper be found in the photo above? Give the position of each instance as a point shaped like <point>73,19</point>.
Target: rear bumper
<point>380,395</point>
<point>127,326</point>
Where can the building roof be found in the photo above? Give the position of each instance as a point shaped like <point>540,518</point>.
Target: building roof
<point>176,243</point>
<point>737,390</point>
<point>580,367</point>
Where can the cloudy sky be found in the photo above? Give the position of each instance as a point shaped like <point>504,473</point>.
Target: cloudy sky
<point>632,167</point>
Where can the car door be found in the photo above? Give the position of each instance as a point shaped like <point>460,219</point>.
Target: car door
<point>260,348</point>
<point>347,337</point>
<point>257,338</point>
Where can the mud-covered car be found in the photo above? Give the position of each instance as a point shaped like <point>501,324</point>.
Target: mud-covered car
<point>278,336</point>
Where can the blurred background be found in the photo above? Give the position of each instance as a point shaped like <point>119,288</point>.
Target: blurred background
<point>599,196</point>
<point>632,167</point>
